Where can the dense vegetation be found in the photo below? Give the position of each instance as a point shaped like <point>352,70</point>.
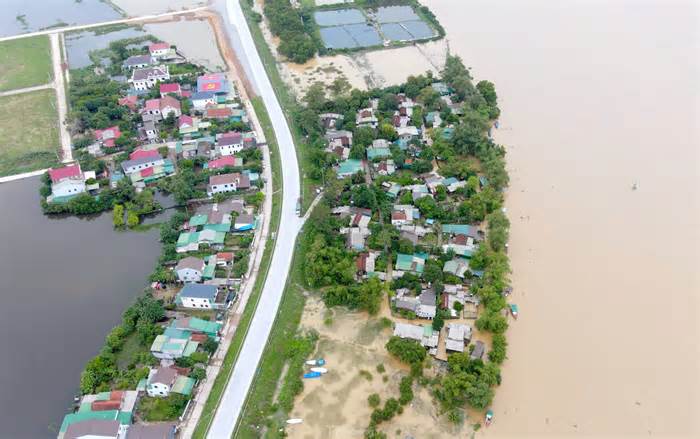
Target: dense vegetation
<point>294,27</point>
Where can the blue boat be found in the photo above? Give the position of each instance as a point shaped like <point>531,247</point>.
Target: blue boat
<point>312,374</point>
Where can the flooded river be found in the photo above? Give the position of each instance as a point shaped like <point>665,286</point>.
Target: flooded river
<point>65,283</point>
<point>596,95</point>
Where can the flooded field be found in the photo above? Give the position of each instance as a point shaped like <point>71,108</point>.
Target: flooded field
<point>194,38</point>
<point>80,44</point>
<point>21,16</point>
<point>145,7</point>
<point>597,97</point>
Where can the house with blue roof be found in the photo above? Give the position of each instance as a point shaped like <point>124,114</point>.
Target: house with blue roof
<point>198,296</point>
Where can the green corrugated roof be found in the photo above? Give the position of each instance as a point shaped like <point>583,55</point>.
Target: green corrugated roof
<point>103,396</point>
<point>427,330</point>
<point>72,418</point>
<point>124,418</point>
<point>198,220</point>
<point>373,153</point>
<point>177,333</point>
<point>85,407</point>
<point>183,385</point>
<point>208,272</point>
<point>158,343</point>
<point>190,348</point>
<point>349,166</point>
<point>202,325</point>
<point>218,227</point>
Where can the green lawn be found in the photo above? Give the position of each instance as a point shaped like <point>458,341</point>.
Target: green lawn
<point>29,132</point>
<point>25,62</point>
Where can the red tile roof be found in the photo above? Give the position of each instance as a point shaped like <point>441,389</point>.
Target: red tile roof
<point>222,162</point>
<point>158,46</point>
<point>223,178</point>
<point>169,101</point>
<point>218,113</point>
<point>184,120</point>
<point>70,171</point>
<point>129,101</point>
<point>152,104</point>
<point>141,153</point>
<point>170,88</point>
<point>108,133</point>
<point>225,256</point>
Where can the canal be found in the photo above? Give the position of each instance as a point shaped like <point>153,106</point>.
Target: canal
<point>65,283</point>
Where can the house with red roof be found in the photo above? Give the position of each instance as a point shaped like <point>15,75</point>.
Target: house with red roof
<point>227,183</point>
<point>130,101</point>
<point>162,108</point>
<point>159,50</point>
<point>170,88</point>
<point>107,136</point>
<point>143,153</point>
<point>222,162</point>
<point>222,113</point>
<point>229,143</point>
<point>66,182</point>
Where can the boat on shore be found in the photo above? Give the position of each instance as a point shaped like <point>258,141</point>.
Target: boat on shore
<point>312,375</point>
<point>320,370</point>
<point>294,421</point>
<point>489,417</point>
<point>514,310</point>
<point>319,362</point>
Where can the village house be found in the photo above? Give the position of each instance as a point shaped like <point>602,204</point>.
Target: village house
<point>190,269</point>
<point>108,136</point>
<point>427,307</point>
<point>410,263</point>
<point>131,102</point>
<point>198,296</point>
<point>402,300</point>
<point>162,108</point>
<point>386,167</point>
<point>457,335</point>
<point>365,263</point>
<point>214,83</point>
<point>244,222</point>
<point>173,343</point>
<point>478,351</point>
<point>229,144</point>
<point>329,120</point>
<point>366,118</point>
<point>170,89</point>
<point>149,131</point>
<point>103,415</point>
<point>164,380</point>
<point>222,162</point>
<point>197,326</point>
<point>66,182</point>
<point>227,183</point>
<point>218,113</point>
<point>425,334</point>
<point>201,99</point>
<point>341,138</point>
<point>403,214</point>
<point>457,267</point>
<point>348,168</point>
<point>160,51</point>
<point>144,79</point>
<point>137,62</point>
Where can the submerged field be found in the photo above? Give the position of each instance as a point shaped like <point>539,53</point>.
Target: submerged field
<point>29,132</point>
<point>24,62</point>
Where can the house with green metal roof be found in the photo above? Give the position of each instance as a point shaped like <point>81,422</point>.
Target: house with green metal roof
<point>413,263</point>
<point>169,346</point>
<point>209,268</point>
<point>187,242</point>
<point>461,229</point>
<point>394,190</point>
<point>378,152</point>
<point>457,266</point>
<point>349,167</point>
<point>194,324</point>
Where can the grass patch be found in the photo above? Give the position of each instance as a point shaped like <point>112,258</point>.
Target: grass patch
<point>222,378</point>
<point>25,62</point>
<point>29,132</point>
<point>132,347</point>
<point>162,409</point>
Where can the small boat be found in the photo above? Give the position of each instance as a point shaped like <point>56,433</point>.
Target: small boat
<point>312,375</point>
<point>489,417</point>
<point>514,310</point>
<point>496,124</point>
<point>320,370</point>
<point>319,362</point>
<point>295,421</point>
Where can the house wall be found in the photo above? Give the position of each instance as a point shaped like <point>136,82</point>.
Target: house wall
<point>226,150</point>
<point>68,187</point>
<point>218,188</point>
<point>158,390</point>
<point>196,302</point>
<point>143,166</point>
<point>201,104</point>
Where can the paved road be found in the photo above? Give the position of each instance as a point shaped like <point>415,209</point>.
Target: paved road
<point>104,23</point>
<point>26,90</point>
<point>61,102</point>
<point>243,372</point>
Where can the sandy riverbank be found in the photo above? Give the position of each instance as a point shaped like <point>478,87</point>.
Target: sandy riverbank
<point>335,406</point>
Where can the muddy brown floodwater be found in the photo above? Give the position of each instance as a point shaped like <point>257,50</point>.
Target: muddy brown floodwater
<point>596,95</point>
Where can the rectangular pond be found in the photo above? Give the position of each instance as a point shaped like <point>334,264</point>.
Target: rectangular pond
<point>395,14</point>
<point>339,17</point>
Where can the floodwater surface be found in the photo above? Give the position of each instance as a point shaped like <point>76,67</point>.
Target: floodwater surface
<point>596,95</point>
<point>65,284</point>
<point>21,16</point>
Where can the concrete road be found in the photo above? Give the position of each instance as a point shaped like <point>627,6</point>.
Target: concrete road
<point>26,90</point>
<point>61,102</point>
<point>239,383</point>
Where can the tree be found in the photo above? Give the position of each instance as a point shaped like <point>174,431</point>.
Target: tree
<point>132,219</point>
<point>488,91</point>
<point>340,86</point>
<point>388,132</point>
<point>363,136</point>
<point>118,216</point>
<point>406,350</point>
<point>315,96</point>
<point>374,400</point>
<point>210,346</point>
<point>198,373</point>
<point>100,370</point>
<point>498,348</point>
<point>438,321</point>
<point>492,322</point>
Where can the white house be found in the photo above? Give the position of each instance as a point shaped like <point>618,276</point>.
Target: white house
<point>143,79</point>
<point>198,296</point>
<point>161,381</point>
<point>159,50</point>
<point>141,163</point>
<point>190,269</point>
<point>67,181</point>
<point>227,183</point>
<point>229,144</point>
<point>149,128</point>
<point>201,99</point>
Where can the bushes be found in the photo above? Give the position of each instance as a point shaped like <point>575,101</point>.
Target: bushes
<point>374,400</point>
<point>366,296</point>
<point>408,351</point>
<point>498,348</point>
<point>287,23</point>
<point>162,409</point>
<point>295,353</point>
